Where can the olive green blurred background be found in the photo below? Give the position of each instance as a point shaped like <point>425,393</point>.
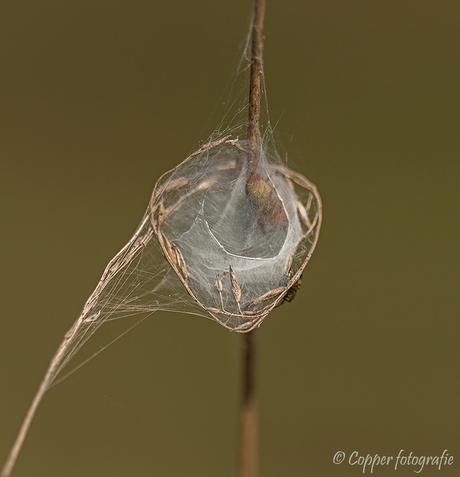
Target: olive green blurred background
<point>98,99</point>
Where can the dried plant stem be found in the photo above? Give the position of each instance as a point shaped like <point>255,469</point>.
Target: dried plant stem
<point>13,455</point>
<point>255,83</point>
<point>87,316</point>
<point>249,416</point>
<point>249,429</point>
<point>44,385</point>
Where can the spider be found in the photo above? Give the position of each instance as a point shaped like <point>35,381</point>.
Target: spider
<point>291,293</point>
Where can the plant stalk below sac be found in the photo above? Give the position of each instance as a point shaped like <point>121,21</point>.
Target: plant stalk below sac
<point>249,415</point>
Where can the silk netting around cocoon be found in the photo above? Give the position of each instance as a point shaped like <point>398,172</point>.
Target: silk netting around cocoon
<point>237,239</point>
<point>218,240</point>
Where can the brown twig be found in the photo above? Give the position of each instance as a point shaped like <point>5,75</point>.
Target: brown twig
<point>249,415</point>
<point>249,428</point>
<point>87,316</point>
<point>255,83</point>
<point>46,382</point>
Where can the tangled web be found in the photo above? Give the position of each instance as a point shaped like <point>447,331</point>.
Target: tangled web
<point>221,237</point>
<point>237,239</point>
<point>218,239</point>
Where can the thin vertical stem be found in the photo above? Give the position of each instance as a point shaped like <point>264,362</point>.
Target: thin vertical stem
<point>249,461</point>
<point>255,83</point>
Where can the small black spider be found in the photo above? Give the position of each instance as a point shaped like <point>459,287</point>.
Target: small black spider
<point>291,293</point>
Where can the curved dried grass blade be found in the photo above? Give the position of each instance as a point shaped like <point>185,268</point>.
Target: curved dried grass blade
<point>236,290</point>
<point>171,253</point>
<point>213,310</point>
<point>218,284</point>
<point>180,261</point>
<point>303,214</point>
<point>267,296</point>
<point>161,212</point>
<point>290,185</point>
